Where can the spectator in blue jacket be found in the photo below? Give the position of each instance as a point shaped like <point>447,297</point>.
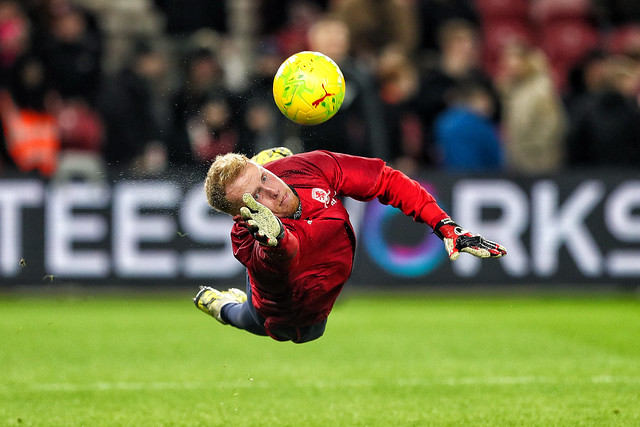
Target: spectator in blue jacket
<point>466,138</point>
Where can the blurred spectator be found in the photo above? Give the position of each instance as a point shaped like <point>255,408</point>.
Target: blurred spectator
<point>15,35</point>
<point>262,125</point>
<point>434,13</point>
<point>617,12</point>
<point>414,97</point>
<point>534,116</point>
<point>466,137</point>
<point>358,127</point>
<point>81,127</point>
<point>184,17</point>
<point>197,24</point>
<point>399,81</point>
<point>212,131</point>
<point>202,75</point>
<point>126,102</point>
<point>460,47</point>
<point>268,59</point>
<point>608,131</point>
<point>81,138</point>
<point>273,13</point>
<point>71,47</point>
<point>585,81</point>
<point>377,25</point>
<point>292,36</point>
<point>625,40</point>
<point>30,134</point>
<point>68,40</point>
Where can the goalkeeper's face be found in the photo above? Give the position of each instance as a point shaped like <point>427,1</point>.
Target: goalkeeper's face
<point>266,188</point>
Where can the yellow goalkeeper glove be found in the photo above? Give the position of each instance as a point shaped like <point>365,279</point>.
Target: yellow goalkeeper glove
<point>271,154</point>
<point>265,227</point>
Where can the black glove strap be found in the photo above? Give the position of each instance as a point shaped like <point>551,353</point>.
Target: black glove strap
<point>440,224</point>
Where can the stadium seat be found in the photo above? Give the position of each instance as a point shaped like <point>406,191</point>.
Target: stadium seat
<point>545,12</point>
<point>624,40</point>
<point>490,10</point>
<point>567,42</point>
<point>498,33</point>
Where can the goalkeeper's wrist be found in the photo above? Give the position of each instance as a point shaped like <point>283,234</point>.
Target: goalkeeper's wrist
<point>285,251</point>
<point>443,222</point>
<point>281,235</point>
<point>278,238</point>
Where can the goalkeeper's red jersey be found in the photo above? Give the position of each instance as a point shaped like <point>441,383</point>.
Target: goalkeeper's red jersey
<point>296,283</point>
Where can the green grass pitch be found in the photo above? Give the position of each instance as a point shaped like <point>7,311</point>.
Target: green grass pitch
<point>414,360</point>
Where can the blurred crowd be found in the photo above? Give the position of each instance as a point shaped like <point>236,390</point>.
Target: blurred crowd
<point>527,87</point>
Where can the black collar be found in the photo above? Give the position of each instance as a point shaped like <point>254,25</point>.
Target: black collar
<point>298,213</point>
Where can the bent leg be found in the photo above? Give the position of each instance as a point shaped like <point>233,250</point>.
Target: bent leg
<point>300,335</point>
<point>244,316</point>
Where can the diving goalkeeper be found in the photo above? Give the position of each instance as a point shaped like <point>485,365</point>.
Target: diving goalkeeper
<point>294,237</point>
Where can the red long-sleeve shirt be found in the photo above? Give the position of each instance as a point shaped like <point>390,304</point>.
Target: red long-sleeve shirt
<point>296,283</point>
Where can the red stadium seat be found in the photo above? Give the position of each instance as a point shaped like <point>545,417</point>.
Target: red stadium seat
<point>497,34</point>
<point>503,9</point>
<point>624,40</point>
<point>544,12</point>
<point>567,42</point>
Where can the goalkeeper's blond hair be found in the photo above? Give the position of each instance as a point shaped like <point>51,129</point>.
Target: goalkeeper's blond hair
<point>223,171</point>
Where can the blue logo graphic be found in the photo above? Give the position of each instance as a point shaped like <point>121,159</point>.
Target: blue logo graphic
<point>399,259</point>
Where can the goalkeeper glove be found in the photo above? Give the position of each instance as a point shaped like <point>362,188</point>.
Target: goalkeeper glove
<point>271,154</point>
<point>458,240</point>
<point>265,227</point>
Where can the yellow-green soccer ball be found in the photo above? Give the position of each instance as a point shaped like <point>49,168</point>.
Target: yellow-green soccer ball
<point>309,88</point>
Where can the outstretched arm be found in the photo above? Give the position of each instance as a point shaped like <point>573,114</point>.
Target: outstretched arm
<point>392,187</point>
<point>401,191</point>
<point>366,179</point>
